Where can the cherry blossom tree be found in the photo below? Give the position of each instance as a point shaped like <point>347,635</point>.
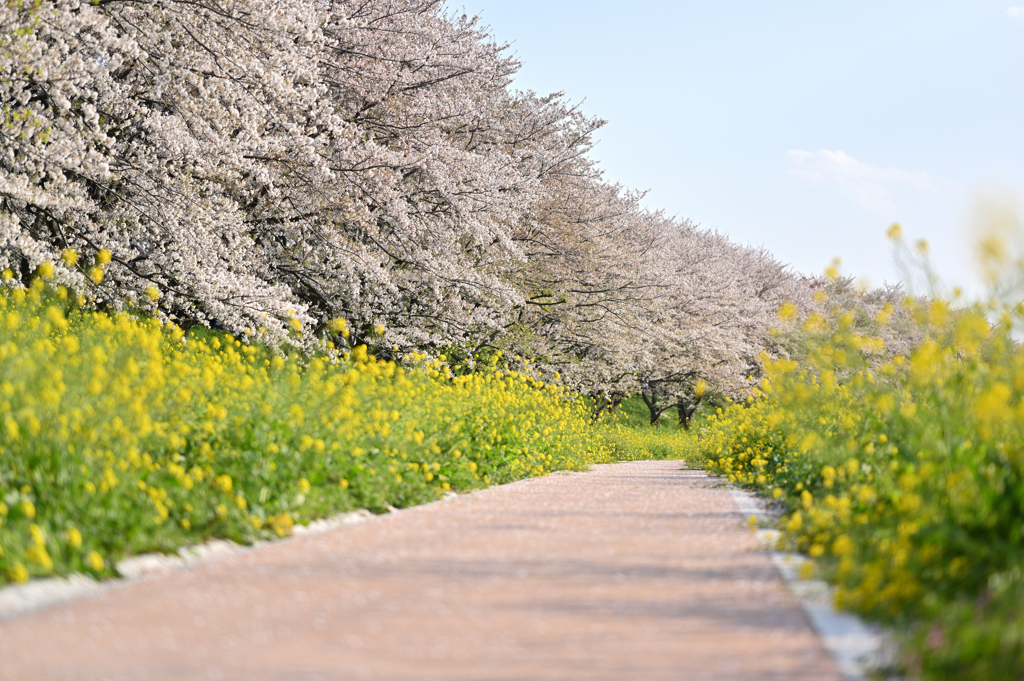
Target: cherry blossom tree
<point>259,167</point>
<point>711,323</point>
<point>272,168</point>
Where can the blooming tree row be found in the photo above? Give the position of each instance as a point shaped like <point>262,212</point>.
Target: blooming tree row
<point>274,168</point>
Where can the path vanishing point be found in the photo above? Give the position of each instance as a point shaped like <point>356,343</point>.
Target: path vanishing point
<point>629,572</point>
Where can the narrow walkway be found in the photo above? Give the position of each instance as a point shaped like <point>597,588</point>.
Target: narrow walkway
<point>631,572</point>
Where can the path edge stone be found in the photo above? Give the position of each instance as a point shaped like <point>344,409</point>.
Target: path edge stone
<point>858,648</point>
<point>39,594</point>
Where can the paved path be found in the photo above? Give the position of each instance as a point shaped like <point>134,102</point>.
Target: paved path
<point>631,572</point>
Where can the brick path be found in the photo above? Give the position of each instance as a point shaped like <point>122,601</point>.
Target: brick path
<point>632,572</point>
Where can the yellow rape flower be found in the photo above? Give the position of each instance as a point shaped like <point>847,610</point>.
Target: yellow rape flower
<point>282,524</point>
<point>18,573</point>
<point>94,561</point>
<point>842,545</point>
<point>74,537</point>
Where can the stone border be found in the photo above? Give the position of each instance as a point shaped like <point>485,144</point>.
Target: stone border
<point>858,648</point>
<point>20,599</point>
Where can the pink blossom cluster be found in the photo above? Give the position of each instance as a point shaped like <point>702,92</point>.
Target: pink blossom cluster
<point>270,167</point>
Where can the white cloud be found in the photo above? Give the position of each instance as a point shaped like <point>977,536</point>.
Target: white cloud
<point>869,185</point>
<point>1015,12</point>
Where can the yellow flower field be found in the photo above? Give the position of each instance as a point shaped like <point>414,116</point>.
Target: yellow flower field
<point>119,436</point>
<point>903,475</point>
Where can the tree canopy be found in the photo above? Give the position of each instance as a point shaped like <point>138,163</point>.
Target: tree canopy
<point>273,168</point>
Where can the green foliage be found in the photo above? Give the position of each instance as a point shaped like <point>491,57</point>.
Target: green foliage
<point>633,413</point>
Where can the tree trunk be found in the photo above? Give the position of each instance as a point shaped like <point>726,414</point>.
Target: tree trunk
<point>686,410</point>
<point>652,406</point>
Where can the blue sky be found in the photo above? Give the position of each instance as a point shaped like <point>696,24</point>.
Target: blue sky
<point>805,126</point>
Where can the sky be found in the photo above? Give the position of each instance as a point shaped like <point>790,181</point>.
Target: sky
<point>804,126</point>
